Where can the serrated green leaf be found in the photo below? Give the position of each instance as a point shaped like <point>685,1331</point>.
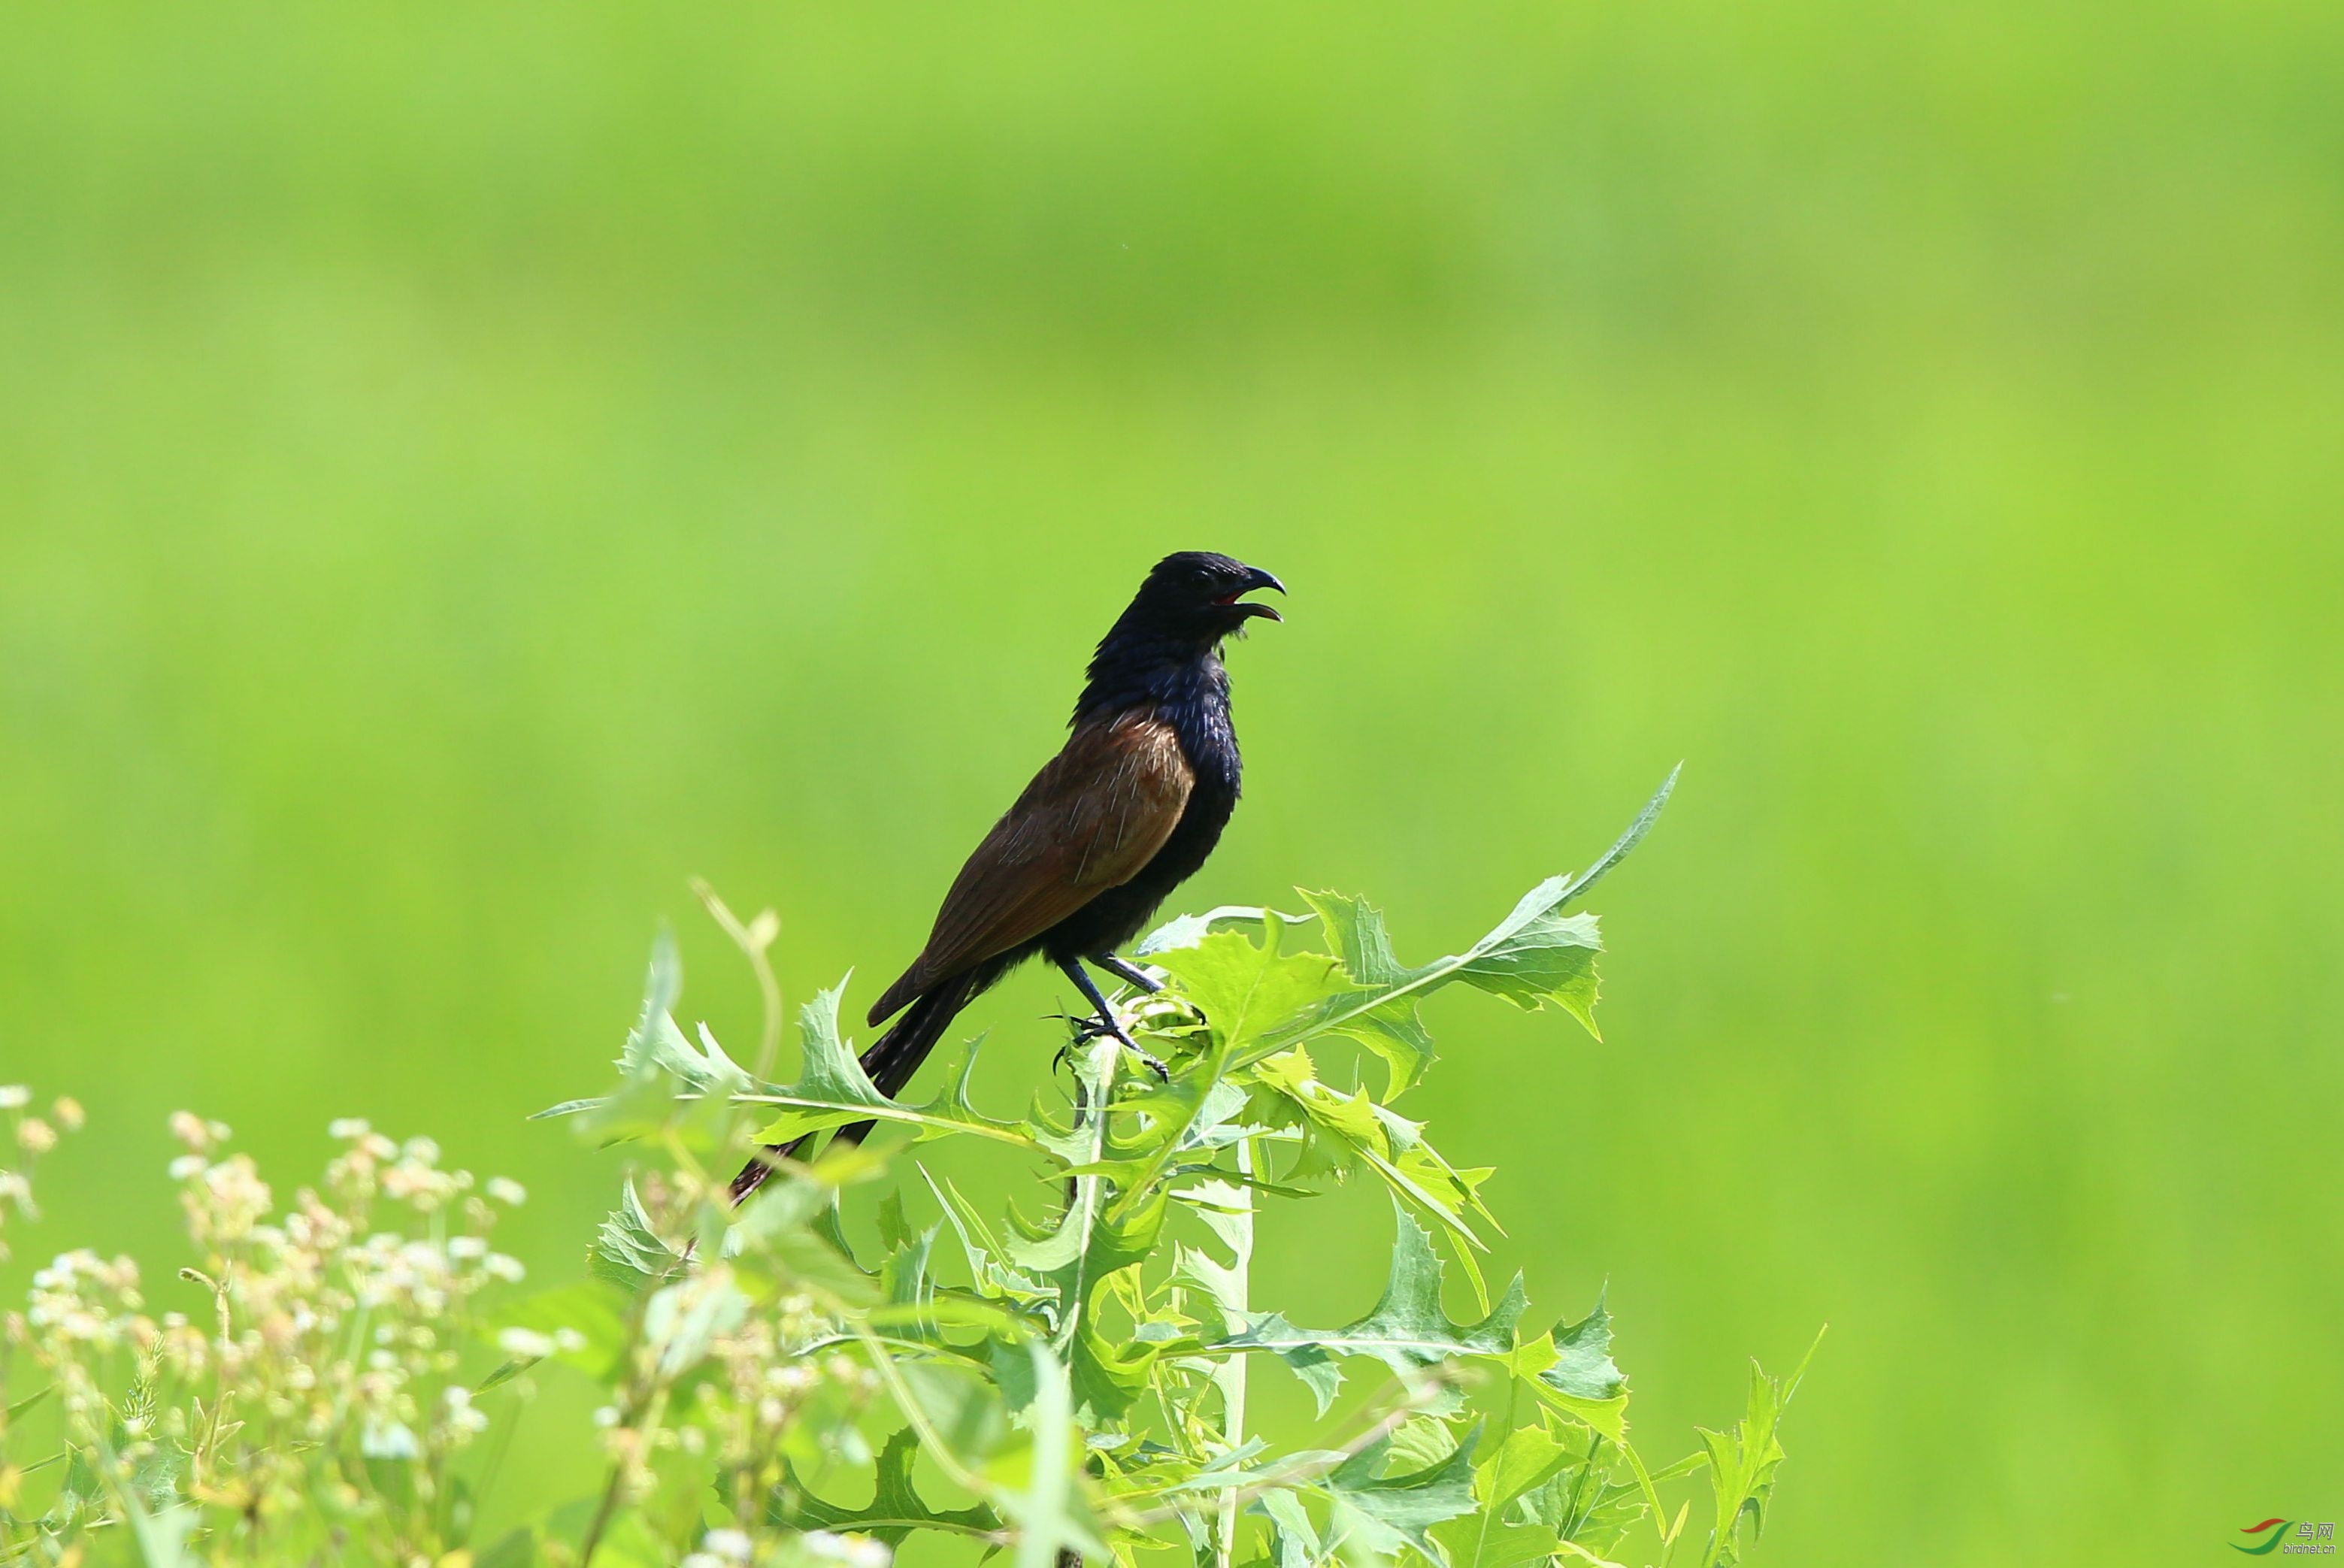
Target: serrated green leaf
<point>1294,1541</point>
<point>1549,957</point>
<point>1188,930</point>
<point>1478,1541</point>
<point>1339,1129</point>
<point>1534,955</point>
<point>627,1252</point>
<point>1092,1239</point>
<point>1743,1462</point>
<point>1422,1442</point>
<point>993,1275</point>
<point>1385,1511</point>
<point>894,1228</point>
<point>896,1508</point>
<point>832,1090</point>
<point>1089,1245</point>
<point>1583,1505</point>
<point>1527,1457</point>
<point>1246,988</point>
<point>1582,1365</point>
<point>1583,1383</point>
<point>1408,1331</point>
<point>830,1070</point>
<point>666,1081</point>
<point>1222,1287</point>
<point>1304,1352</point>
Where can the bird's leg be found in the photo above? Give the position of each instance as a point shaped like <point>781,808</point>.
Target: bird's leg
<point>1129,972</point>
<point>1107,1025</point>
<point>1124,969</point>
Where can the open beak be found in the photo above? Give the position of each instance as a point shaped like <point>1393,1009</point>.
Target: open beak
<point>1260,579</point>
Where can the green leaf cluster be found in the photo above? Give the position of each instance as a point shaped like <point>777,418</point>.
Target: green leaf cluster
<point>1120,1317</point>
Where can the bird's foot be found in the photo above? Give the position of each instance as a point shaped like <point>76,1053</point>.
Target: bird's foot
<point>1106,1027</point>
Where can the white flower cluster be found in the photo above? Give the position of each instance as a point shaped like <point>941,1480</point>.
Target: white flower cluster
<point>310,1371</point>
<point>83,1300</point>
<point>811,1549</point>
<point>332,1328</point>
<point>34,1136</point>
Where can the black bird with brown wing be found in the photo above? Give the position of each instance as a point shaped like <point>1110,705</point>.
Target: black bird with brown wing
<point>1125,812</point>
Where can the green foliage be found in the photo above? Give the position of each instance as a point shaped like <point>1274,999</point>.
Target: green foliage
<point>776,1390</point>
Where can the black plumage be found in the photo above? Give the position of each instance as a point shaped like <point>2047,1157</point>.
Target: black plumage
<point>1127,810</point>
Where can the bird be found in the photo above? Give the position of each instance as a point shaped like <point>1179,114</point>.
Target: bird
<point>1130,807</point>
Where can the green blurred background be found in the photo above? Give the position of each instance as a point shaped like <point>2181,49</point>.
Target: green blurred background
<point>464,470</point>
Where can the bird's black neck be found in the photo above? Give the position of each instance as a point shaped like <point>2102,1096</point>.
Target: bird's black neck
<point>1132,670</point>
<point>1187,687</point>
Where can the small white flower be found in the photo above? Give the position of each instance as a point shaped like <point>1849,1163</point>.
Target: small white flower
<point>569,1340</point>
<point>731,1546</point>
<point>606,1415</point>
<point>15,1097</point>
<point>525,1343</point>
<point>506,1190</point>
<point>470,1249</point>
<point>343,1128</point>
<point>852,1550</point>
<point>187,1165</point>
<point>387,1439</point>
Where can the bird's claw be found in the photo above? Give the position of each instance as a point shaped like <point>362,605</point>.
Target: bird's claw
<point>1104,1028</point>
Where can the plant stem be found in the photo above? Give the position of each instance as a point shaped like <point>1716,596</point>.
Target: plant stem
<point>1231,1373</point>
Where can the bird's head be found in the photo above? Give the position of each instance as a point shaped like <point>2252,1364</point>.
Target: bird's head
<point>1198,596</point>
<point>1173,628</point>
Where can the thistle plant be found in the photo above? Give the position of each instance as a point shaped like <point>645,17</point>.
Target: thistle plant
<point>1068,1381</point>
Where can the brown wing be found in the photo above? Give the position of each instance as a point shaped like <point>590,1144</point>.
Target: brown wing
<point>1089,820</point>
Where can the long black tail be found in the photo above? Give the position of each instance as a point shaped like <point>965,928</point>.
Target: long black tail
<point>891,1061</point>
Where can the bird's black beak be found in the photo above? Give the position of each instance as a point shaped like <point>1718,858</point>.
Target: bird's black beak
<point>1256,578</point>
